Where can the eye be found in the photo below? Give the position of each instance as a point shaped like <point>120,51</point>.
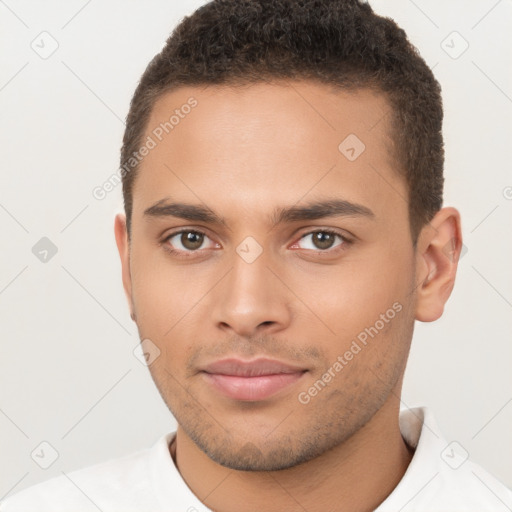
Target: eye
<point>320,240</point>
<point>188,241</point>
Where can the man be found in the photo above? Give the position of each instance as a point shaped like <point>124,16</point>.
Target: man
<point>282,174</point>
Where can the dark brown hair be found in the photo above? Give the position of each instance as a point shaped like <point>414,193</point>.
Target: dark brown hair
<point>340,43</point>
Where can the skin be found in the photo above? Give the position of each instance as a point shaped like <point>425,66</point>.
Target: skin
<point>243,153</point>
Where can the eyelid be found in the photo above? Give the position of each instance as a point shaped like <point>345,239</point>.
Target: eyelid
<point>346,240</point>
<point>180,231</point>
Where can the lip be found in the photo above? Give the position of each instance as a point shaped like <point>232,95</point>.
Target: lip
<point>251,380</point>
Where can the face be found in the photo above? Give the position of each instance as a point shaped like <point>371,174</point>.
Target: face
<point>272,266</point>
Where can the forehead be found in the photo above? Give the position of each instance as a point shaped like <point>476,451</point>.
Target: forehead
<point>268,144</point>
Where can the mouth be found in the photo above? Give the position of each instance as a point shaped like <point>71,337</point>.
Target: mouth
<point>251,380</point>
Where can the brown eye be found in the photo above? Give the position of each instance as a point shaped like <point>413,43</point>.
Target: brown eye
<point>188,241</point>
<point>191,240</point>
<point>321,240</point>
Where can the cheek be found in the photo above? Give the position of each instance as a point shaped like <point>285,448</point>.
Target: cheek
<point>346,299</point>
<point>159,292</point>
<point>366,358</point>
<point>168,299</point>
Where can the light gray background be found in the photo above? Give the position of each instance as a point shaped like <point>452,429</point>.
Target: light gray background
<point>68,373</point>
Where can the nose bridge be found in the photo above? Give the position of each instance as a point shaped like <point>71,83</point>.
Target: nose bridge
<point>250,295</point>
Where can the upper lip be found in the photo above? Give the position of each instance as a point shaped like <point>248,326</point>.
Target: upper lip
<point>254,368</point>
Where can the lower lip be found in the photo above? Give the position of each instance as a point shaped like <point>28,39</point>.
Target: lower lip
<point>252,388</point>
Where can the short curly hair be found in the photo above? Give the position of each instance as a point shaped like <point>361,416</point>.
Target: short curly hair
<point>340,43</point>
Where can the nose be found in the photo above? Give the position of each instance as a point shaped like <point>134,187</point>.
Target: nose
<point>250,300</point>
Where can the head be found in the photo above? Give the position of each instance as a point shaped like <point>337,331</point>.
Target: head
<point>282,176</point>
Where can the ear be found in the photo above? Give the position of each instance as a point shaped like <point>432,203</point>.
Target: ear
<point>123,247</point>
<point>437,256</point>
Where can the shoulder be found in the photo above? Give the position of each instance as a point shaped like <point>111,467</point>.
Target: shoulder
<point>122,483</point>
<point>441,477</point>
<point>468,488</point>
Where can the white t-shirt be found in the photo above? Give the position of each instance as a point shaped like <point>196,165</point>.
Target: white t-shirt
<point>439,478</point>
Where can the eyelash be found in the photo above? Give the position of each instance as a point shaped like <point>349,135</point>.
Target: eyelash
<point>345,242</point>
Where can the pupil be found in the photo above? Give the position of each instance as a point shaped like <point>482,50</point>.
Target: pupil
<point>323,240</point>
<point>192,240</point>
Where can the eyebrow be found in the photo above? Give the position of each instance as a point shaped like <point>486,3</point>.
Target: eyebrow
<point>310,211</point>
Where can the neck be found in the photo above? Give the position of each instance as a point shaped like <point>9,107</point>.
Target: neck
<point>357,475</point>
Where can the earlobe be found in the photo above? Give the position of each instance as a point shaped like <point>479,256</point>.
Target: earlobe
<point>438,251</point>
<point>123,247</point>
